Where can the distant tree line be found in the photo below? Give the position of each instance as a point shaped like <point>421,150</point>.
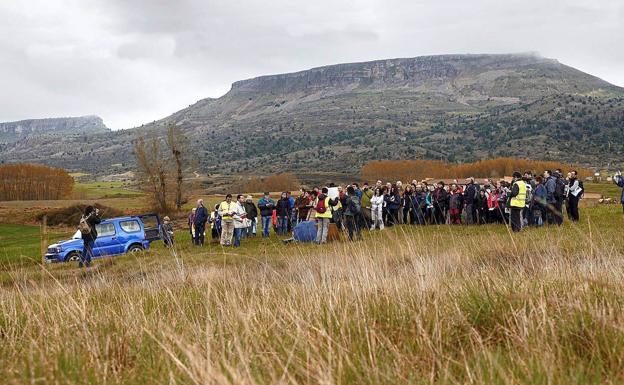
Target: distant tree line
<point>34,182</point>
<point>286,181</point>
<point>407,170</point>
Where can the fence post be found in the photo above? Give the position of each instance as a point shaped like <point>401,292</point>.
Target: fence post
<point>44,237</point>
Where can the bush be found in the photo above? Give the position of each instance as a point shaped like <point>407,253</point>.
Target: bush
<point>70,216</point>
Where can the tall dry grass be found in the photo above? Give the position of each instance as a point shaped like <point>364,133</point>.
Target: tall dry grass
<point>407,306</point>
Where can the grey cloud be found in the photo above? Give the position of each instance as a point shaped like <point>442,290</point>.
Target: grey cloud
<point>135,61</point>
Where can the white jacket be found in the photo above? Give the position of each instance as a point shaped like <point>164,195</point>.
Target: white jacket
<point>240,216</point>
<point>377,203</point>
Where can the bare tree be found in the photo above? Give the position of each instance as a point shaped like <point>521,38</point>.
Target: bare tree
<point>177,145</point>
<point>153,170</point>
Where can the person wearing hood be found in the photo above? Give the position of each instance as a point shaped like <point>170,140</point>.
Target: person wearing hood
<point>91,218</point>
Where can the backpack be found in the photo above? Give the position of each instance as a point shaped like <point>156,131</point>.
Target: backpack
<point>84,226</point>
<point>559,188</point>
<point>320,206</point>
<point>355,205</point>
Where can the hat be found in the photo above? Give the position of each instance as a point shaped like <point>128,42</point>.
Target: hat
<point>517,174</point>
<point>166,219</point>
<point>249,197</point>
<point>266,193</point>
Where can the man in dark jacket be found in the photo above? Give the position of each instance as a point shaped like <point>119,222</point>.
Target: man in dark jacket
<point>92,218</point>
<point>352,210</point>
<point>252,215</point>
<point>550,182</point>
<point>440,203</point>
<point>266,206</point>
<point>471,194</point>
<point>201,217</point>
<point>282,209</point>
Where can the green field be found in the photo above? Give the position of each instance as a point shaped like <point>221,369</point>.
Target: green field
<point>94,190</point>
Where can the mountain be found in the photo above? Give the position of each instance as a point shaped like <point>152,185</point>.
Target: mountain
<point>335,118</point>
<point>53,127</point>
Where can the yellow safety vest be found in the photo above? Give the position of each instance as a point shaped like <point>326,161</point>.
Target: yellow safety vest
<point>227,208</point>
<point>520,199</point>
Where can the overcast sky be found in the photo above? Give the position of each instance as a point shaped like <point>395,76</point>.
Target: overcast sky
<point>132,62</point>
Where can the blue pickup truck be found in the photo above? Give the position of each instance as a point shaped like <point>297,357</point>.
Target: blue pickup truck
<point>115,236</point>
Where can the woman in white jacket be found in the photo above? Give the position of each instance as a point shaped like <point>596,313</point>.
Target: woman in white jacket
<point>377,204</point>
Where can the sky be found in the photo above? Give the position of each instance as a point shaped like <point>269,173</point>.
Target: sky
<point>136,61</point>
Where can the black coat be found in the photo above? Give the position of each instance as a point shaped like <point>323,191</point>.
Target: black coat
<point>92,220</point>
<point>283,207</point>
<point>251,210</point>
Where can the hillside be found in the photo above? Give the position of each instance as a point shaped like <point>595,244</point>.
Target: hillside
<point>15,131</point>
<point>335,118</point>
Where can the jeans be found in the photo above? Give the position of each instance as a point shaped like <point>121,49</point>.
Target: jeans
<point>266,225</point>
<point>238,233</point>
<point>282,225</point>
<point>87,253</point>
<point>322,229</point>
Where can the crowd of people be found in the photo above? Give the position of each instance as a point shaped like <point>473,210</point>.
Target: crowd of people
<point>526,200</point>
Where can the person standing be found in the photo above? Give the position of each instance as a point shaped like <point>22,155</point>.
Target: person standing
<point>538,204</point>
<point>239,217</point>
<point>367,195</point>
<point>455,202</point>
<point>517,202</point>
<point>201,217</point>
<point>226,211</point>
<point>283,214</point>
<point>575,192</point>
<point>303,204</point>
<point>440,203</point>
<point>191,224</point>
<point>215,221</point>
<point>550,182</point>
<point>471,194</point>
<point>323,216</point>
<point>166,230</point>
<point>618,179</point>
<point>377,203</point>
<point>252,216</point>
<point>352,211</point>
<point>266,206</point>
<point>88,222</point>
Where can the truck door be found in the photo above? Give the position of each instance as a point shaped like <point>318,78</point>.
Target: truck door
<point>151,226</point>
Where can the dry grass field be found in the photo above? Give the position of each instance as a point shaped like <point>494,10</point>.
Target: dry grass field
<point>416,305</point>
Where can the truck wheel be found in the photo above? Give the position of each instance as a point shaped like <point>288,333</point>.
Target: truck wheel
<point>135,249</point>
<point>72,257</point>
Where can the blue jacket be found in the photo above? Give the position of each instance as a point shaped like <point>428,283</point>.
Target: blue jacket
<point>551,185</point>
<point>619,180</point>
<point>201,216</point>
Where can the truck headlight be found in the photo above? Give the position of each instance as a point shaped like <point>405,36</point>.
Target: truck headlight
<point>59,249</point>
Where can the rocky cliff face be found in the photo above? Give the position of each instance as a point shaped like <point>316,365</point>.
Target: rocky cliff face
<point>335,118</point>
<point>13,131</point>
